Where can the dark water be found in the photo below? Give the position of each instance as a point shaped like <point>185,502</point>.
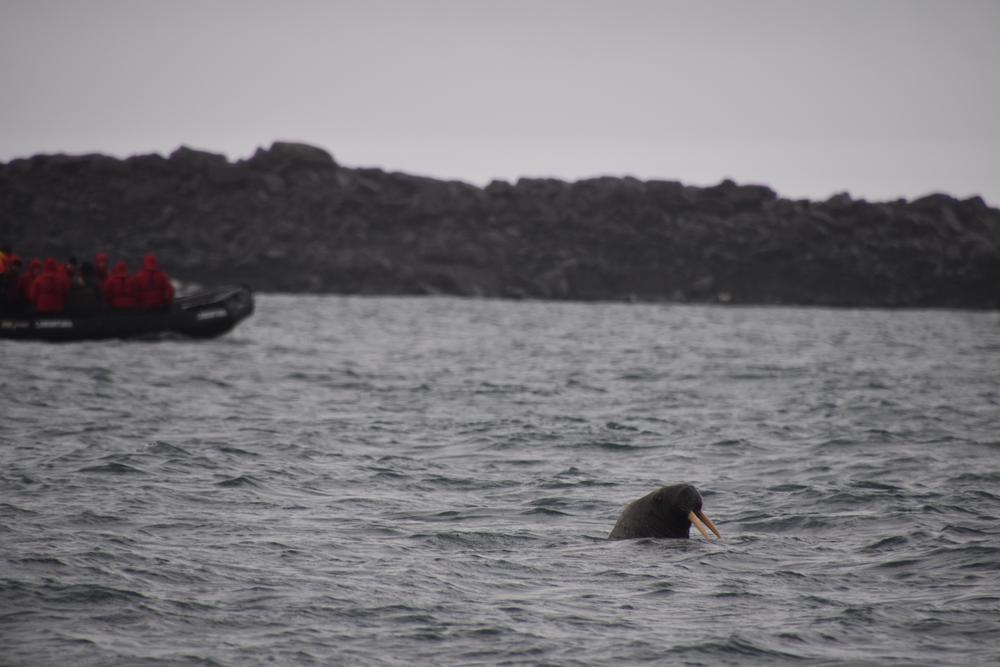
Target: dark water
<point>430,481</point>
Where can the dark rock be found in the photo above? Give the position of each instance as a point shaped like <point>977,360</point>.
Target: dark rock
<point>291,219</point>
<point>285,155</point>
<point>190,158</point>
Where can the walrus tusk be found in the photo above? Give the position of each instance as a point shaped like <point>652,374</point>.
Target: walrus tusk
<point>698,524</point>
<point>708,522</point>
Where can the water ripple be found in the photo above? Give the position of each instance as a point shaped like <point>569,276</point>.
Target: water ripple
<point>431,481</point>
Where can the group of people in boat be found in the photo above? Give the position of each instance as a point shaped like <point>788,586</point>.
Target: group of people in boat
<point>72,288</point>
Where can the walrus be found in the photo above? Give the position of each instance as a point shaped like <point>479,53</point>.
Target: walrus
<point>667,512</point>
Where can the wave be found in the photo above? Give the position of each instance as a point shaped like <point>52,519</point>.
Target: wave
<point>113,468</point>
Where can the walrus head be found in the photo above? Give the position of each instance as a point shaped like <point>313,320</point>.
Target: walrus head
<point>680,506</point>
<point>667,512</point>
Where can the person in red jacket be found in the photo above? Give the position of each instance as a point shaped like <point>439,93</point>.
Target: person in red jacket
<point>155,290</point>
<point>24,285</point>
<point>120,289</point>
<point>101,266</point>
<point>49,291</point>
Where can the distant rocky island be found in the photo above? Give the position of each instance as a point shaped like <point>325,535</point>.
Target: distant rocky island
<point>291,219</point>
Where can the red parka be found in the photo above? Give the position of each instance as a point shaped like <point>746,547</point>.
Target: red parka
<point>101,266</point>
<point>28,278</point>
<point>120,289</point>
<point>49,290</point>
<point>155,290</point>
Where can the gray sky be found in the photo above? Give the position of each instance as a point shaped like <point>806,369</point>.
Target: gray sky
<point>879,98</point>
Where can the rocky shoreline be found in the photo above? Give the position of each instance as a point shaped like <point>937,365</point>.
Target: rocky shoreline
<point>291,219</point>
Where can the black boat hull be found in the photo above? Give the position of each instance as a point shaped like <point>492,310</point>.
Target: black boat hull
<point>203,315</point>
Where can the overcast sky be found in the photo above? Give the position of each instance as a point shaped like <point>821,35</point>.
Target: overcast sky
<point>880,98</point>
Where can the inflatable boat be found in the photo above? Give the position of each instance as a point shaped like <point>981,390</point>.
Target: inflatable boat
<point>204,314</point>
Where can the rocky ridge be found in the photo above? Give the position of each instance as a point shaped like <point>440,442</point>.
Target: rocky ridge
<point>290,218</point>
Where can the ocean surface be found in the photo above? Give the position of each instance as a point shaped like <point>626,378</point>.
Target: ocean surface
<point>430,481</point>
